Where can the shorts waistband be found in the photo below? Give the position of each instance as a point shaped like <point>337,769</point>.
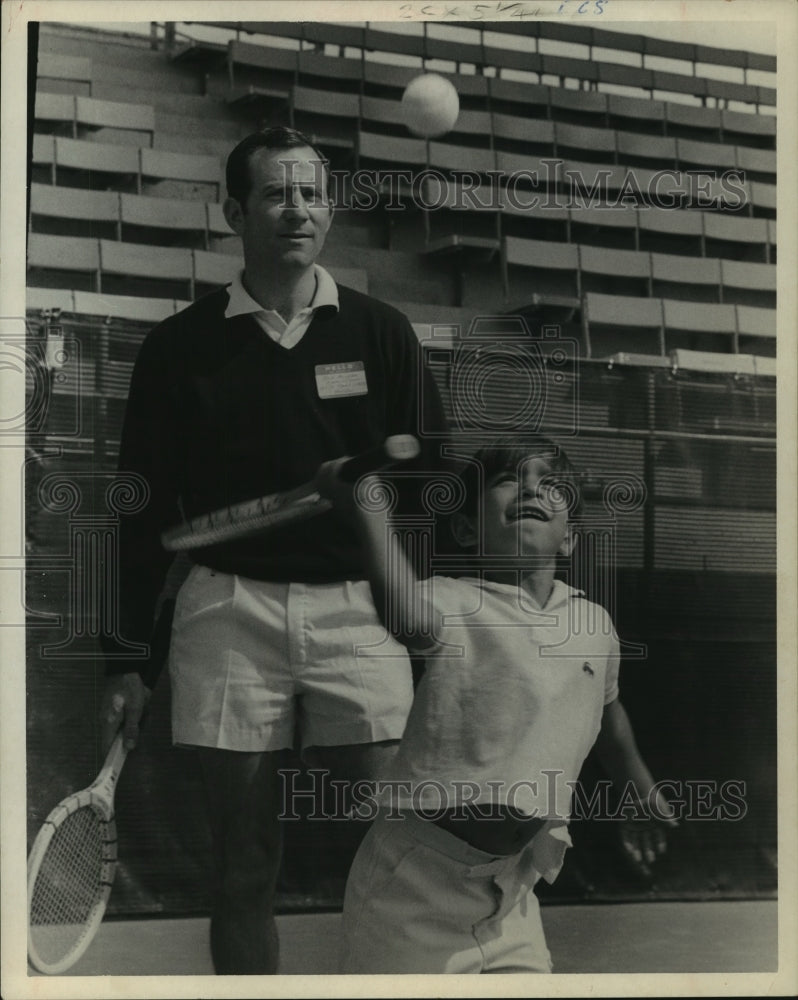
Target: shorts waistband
<point>438,839</point>
<point>296,579</point>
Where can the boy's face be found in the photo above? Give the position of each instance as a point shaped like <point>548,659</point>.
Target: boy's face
<point>524,514</point>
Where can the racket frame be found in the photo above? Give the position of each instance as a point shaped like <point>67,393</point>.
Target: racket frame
<point>99,796</point>
<point>244,519</point>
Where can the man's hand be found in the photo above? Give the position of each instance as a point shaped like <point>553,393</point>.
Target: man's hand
<point>124,702</point>
<point>341,493</point>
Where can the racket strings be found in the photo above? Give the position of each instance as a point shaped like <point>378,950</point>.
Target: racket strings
<point>69,883</point>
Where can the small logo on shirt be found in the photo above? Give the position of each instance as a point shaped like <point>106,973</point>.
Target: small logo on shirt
<point>588,669</point>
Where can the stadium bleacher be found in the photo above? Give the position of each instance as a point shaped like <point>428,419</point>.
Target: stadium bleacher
<point>142,165</point>
<point>136,162</point>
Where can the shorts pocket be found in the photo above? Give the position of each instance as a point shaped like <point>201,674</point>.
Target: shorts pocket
<point>383,856</point>
<point>204,590</point>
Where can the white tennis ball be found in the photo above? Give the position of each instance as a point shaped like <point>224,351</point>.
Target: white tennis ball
<point>430,105</point>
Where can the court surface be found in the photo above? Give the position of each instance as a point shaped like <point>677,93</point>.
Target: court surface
<point>722,937</point>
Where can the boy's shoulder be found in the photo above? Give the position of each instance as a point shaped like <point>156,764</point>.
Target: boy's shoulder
<point>592,618</point>
<point>583,613</point>
<point>561,595</point>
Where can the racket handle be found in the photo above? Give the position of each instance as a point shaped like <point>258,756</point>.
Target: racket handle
<point>397,448</point>
<point>114,760</point>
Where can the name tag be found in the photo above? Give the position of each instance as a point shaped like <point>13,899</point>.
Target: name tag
<point>345,379</point>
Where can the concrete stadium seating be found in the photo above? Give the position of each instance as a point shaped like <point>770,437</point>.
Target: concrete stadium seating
<point>138,195</point>
<point>84,115</point>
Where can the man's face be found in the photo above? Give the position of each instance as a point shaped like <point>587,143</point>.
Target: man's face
<point>287,215</point>
<point>525,514</point>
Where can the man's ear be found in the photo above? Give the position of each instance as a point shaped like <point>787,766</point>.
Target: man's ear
<point>463,530</point>
<point>330,213</point>
<point>234,214</point>
<point>569,542</point>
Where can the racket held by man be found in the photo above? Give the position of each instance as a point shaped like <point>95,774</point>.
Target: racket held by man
<point>247,518</point>
<point>71,869</point>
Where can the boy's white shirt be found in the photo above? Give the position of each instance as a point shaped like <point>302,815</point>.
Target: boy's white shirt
<point>511,691</point>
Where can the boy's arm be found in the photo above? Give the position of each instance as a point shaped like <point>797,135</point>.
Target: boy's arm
<point>397,594</point>
<point>618,752</point>
<point>619,755</point>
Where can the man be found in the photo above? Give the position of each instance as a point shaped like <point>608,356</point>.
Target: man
<point>246,393</point>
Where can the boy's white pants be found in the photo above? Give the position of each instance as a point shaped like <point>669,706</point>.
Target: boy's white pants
<point>421,900</point>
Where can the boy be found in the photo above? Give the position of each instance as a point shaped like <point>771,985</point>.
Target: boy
<point>515,692</point>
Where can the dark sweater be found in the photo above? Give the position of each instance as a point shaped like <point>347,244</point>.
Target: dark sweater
<point>218,414</point>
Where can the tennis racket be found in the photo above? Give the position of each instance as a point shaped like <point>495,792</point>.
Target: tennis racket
<point>277,509</point>
<point>71,869</point>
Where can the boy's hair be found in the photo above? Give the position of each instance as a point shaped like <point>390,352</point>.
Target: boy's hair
<point>237,174</point>
<point>508,455</point>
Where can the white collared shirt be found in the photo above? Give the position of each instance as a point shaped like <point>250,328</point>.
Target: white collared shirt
<point>288,334</point>
<point>510,703</point>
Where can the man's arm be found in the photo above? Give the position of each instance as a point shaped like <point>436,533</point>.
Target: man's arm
<point>413,405</point>
<point>147,449</point>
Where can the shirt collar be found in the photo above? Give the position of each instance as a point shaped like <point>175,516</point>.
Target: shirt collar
<point>241,303</point>
<point>560,593</point>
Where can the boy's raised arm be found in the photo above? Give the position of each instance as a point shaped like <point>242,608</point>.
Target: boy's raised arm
<point>398,596</point>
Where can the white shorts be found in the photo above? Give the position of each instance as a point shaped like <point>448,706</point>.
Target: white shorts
<point>420,900</point>
<point>250,661</point>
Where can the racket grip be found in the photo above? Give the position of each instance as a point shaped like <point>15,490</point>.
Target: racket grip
<point>397,448</point>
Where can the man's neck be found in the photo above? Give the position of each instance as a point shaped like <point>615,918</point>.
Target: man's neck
<point>285,293</point>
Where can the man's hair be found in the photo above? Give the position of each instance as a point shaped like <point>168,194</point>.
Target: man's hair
<point>508,455</point>
<point>237,173</point>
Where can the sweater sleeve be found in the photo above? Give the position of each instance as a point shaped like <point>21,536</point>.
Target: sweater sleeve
<point>147,448</point>
<point>416,408</point>
<point>415,405</point>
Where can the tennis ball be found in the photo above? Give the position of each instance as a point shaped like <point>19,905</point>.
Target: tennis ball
<point>430,105</point>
